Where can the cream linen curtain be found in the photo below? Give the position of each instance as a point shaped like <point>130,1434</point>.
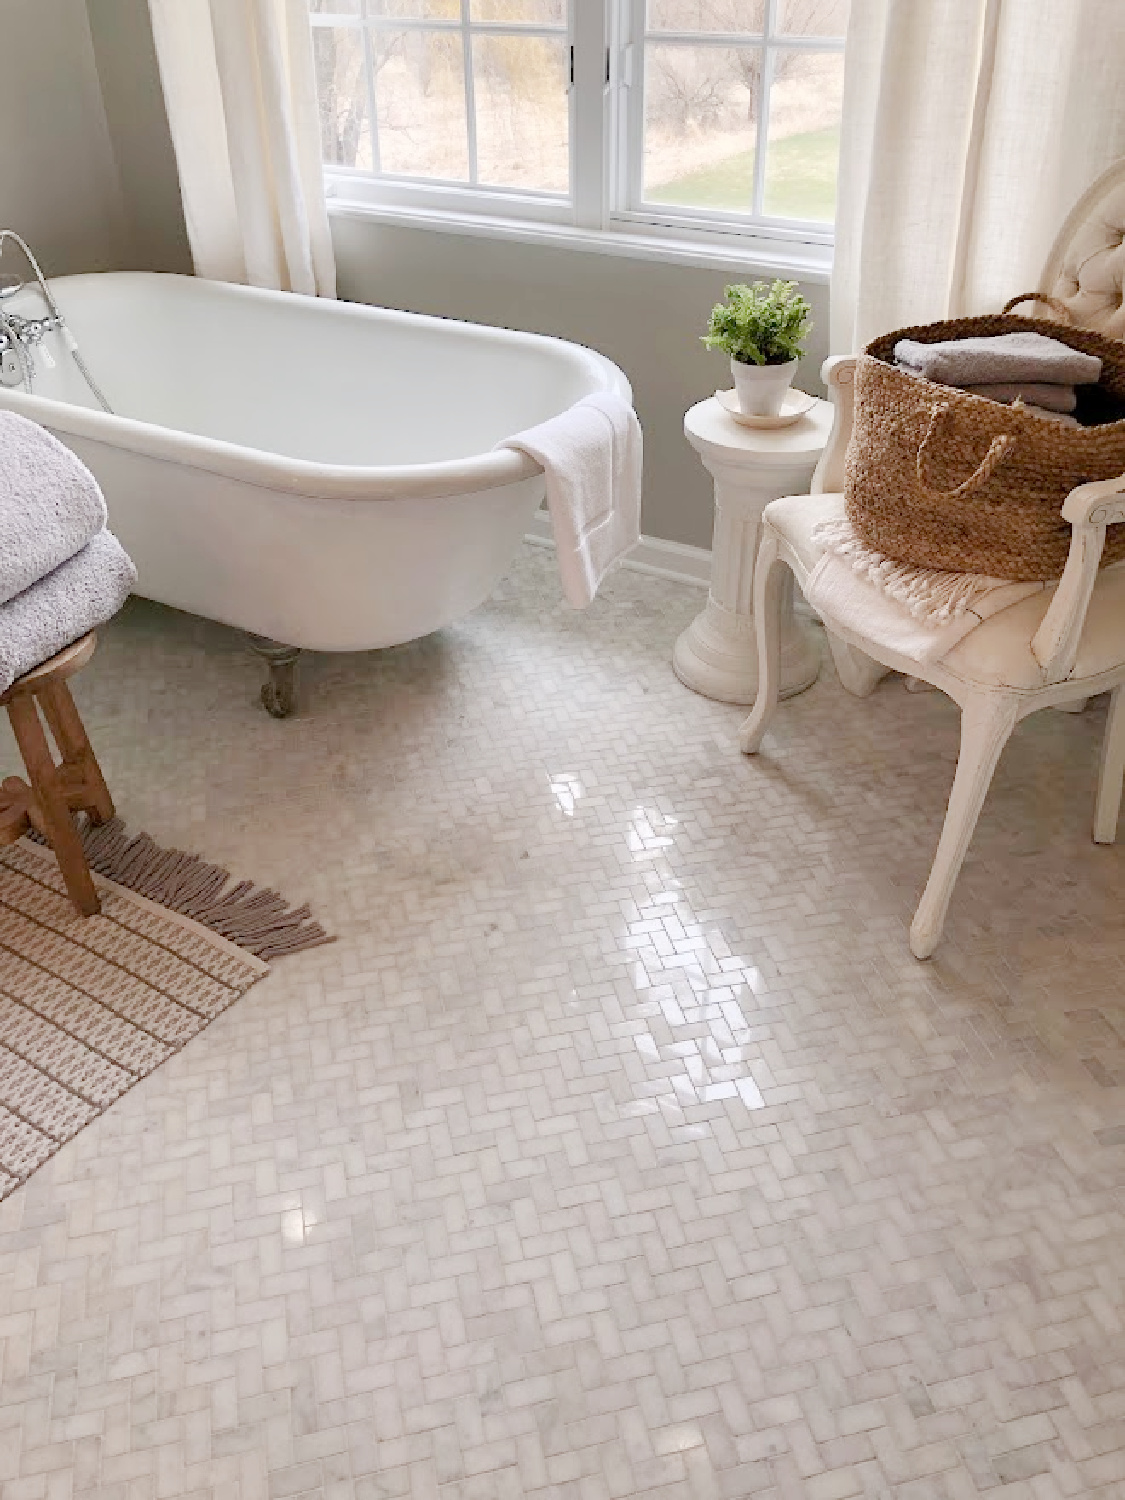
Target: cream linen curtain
<point>240,89</point>
<point>970,128</point>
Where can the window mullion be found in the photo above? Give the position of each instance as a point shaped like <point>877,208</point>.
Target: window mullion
<point>589,113</point>
<point>372,96</point>
<point>470,91</point>
<point>764,110</point>
<point>631,103</point>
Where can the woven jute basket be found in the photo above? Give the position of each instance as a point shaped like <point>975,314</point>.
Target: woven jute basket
<point>939,478</point>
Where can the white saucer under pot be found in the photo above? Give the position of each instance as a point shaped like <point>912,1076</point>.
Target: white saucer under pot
<point>793,408</point>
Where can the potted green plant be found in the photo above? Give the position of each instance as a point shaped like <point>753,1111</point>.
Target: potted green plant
<point>762,328</point>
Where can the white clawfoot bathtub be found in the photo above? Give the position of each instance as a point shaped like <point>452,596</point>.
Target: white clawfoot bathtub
<point>316,473</point>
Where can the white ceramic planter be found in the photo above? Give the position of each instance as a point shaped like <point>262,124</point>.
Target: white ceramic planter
<point>761,388</point>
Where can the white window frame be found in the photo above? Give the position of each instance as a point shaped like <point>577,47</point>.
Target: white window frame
<point>433,195</point>
<point>605,210</point>
<point>631,207</point>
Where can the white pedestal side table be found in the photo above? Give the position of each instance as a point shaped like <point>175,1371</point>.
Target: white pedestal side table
<point>717,655</point>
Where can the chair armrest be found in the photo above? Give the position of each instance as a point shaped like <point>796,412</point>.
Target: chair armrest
<point>1101,503</point>
<point>1090,509</point>
<point>838,374</point>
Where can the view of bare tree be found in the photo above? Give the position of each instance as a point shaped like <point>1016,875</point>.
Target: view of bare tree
<point>695,86</point>
<point>731,16</point>
<point>342,91</point>
<point>748,17</point>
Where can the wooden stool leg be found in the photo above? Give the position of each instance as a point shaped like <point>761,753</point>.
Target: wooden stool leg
<point>53,806</point>
<point>72,740</point>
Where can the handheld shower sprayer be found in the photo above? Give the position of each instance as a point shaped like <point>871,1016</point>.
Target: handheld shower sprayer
<point>17,364</point>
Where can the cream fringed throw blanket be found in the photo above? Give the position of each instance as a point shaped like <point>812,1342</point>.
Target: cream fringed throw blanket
<point>919,612</point>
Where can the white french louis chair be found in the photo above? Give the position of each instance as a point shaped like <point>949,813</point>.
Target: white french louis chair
<point>1053,649</point>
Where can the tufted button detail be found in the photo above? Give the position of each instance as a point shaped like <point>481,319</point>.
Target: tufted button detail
<point>1091,276</point>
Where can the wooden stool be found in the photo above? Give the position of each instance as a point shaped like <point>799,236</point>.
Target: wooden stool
<point>56,789</point>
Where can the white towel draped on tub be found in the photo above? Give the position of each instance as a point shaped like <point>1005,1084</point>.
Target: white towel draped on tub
<point>592,458</point>
<point>50,504</point>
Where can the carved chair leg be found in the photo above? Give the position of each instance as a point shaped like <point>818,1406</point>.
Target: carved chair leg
<point>77,752</point>
<point>53,806</point>
<point>1112,770</point>
<point>279,694</point>
<point>769,579</point>
<point>987,720</point>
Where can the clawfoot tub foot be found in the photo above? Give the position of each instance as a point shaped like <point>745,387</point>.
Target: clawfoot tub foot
<point>279,694</point>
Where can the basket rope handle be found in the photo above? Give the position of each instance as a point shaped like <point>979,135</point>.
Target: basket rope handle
<point>998,451</point>
<point>1060,308</point>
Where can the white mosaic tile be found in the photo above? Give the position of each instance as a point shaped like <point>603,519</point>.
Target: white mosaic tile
<point>618,1146</point>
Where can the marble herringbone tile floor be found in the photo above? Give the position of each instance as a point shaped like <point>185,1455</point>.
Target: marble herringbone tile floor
<point>618,1147</point>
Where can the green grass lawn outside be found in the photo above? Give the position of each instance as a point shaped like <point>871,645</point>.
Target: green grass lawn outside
<point>800,180</point>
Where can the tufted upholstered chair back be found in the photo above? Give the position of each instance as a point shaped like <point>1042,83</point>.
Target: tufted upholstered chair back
<point>1086,266</point>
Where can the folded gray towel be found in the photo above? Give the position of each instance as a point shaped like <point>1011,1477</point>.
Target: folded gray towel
<point>82,592</point>
<point>1049,397</point>
<point>1004,357</point>
<point>1056,398</point>
<point>50,504</point>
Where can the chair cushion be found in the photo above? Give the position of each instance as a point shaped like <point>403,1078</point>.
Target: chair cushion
<point>998,652</point>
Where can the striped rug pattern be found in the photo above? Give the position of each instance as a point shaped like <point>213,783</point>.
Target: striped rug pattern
<point>89,1006</point>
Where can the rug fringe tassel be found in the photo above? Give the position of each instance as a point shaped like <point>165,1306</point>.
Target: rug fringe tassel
<point>250,916</point>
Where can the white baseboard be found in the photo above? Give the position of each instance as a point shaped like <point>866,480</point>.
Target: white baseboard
<point>673,560</point>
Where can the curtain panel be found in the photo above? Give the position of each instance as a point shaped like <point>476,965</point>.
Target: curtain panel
<point>240,90</point>
<point>970,128</point>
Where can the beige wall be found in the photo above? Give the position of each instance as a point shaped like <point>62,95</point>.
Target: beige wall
<point>138,127</point>
<point>58,179</point>
<point>646,316</point>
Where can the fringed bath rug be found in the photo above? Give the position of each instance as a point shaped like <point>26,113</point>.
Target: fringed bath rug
<point>91,1005</point>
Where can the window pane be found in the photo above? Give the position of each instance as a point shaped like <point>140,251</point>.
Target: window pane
<point>701,114</point>
<point>539,12</point>
<point>420,103</point>
<point>334,7</point>
<point>745,16</point>
<point>523,112</point>
<point>813,17</point>
<point>341,85</point>
<point>425,10</point>
<point>804,135</point>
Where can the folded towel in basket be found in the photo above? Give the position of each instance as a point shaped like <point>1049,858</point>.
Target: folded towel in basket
<point>1007,357</point>
<point>83,592</point>
<point>592,458</point>
<point>1046,397</point>
<point>50,504</point>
